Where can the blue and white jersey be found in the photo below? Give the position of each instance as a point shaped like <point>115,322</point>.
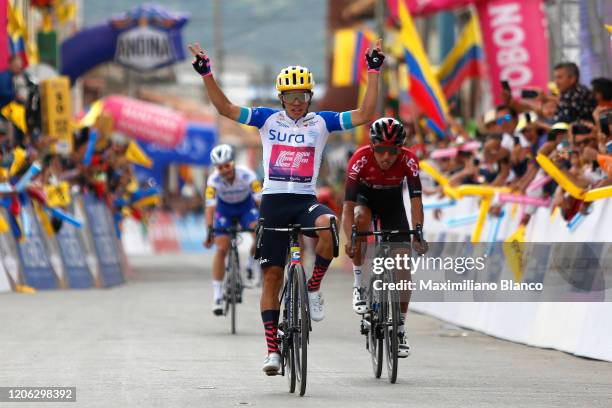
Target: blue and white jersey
<point>244,186</point>
<point>292,149</point>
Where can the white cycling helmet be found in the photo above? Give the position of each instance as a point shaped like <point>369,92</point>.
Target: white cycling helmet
<point>222,154</point>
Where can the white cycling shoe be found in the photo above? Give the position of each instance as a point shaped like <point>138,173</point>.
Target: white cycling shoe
<point>359,303</point>
<point>272,364</point>
<point>403,349</point>
<point>217,307</point>
<point>315,302</point>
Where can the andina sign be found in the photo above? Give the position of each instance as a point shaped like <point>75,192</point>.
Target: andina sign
<point>144,48</point>
<point>147,38</point>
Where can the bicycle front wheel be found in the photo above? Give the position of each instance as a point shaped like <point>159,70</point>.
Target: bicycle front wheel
<point>301,326</point>
<point>234,283</point>
<point>375,334</point>
<point>392,309</point>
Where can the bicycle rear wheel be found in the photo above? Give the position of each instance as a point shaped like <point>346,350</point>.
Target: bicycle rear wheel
<point>375,339</point>
<point>392,309</point>
<point>301,326</point>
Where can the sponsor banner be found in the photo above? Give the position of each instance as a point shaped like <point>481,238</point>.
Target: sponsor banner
<point>195,147</point>
<point>163,233</point>
<point>37,267</point>
<point>104,239</point>
<point>516,44</point>
<point>144,48</point>
<point>86,237</point>
<point>4,38</point>
<point>73,253</point>
<point>145,38</point>
<point>292,163</point>
<point>145,121</point>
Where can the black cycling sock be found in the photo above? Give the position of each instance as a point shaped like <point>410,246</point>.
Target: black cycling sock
<point>320,267</point>
<point>270,321</point>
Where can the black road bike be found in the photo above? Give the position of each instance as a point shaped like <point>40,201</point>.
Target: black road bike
<point>232,283</point>
<point>380,323</point>
<point>295,325</point>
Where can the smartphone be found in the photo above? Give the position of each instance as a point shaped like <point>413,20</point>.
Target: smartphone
<point>528,117</point>
<point>529,94</point>
<point>506,86</point>
<point>578,129</point>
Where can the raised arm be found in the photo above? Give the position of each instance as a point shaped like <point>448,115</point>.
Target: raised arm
<point>201,64</point>
<point>367,109</point>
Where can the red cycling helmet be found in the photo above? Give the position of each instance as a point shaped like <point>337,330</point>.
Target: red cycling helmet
<point>387,131</point>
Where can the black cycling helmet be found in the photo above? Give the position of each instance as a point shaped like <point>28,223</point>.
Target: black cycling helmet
<point>388,131</point>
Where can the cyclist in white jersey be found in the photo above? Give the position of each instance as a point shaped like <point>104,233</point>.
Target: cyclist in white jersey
<point>293,140</point>
<point>232,192</point>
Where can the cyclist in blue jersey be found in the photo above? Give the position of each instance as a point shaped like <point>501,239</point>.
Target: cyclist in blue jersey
<point>293,140</point>
<point>232,192</point>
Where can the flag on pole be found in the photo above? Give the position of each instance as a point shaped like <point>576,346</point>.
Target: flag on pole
<point>466,59</point>
<point>424,87</point>
<point>350,45</point>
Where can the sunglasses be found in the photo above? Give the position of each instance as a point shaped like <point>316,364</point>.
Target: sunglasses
<point>301,97</point>
<point>505,118</point>
<point>386,149</point>
<point>224,166</point>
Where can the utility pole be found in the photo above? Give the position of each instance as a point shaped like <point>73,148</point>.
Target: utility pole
<point>380,13</point>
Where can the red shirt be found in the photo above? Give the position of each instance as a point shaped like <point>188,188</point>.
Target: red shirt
<point>363,171</point>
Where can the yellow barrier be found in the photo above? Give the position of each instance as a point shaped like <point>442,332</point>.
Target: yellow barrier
<point>480,190</point>
<point>598,193</point>
<point>440,179</point>
<point>559,177</point>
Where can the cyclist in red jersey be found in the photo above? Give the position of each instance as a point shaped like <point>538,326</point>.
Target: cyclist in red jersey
<point>374,184</point>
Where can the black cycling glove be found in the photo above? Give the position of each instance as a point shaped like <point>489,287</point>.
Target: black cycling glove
<point>424,246</point>
<point>374,61</point>
<point>201,63</point>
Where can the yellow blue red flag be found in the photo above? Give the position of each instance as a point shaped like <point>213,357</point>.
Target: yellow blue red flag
<point>424,87</point>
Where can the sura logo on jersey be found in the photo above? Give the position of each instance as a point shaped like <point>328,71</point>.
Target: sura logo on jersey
<point>285,137</point>
<point>291,163</point>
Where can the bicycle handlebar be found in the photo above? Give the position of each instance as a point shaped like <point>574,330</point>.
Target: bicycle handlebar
<point>297,228</point>
<point>380,233</point>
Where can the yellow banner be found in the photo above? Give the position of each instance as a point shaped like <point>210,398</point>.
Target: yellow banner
<point>57,112</point>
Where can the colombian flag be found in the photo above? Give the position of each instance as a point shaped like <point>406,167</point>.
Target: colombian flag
<point>350,45</point>
<point>466,59</point>
<point>424,87</point>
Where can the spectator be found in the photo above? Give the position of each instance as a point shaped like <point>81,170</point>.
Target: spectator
<point>576,100</point>
<point>602,90</point>
<point>15,84</point>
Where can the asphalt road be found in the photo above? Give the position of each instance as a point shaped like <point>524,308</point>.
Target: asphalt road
<point>154,343</point>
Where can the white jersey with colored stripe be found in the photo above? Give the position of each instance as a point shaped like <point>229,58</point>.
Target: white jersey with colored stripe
<point>244,185</point>
<point>292,149</point>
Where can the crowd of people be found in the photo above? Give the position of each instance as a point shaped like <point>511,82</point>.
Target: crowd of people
<point>568,123</point>
<point>98,162</point>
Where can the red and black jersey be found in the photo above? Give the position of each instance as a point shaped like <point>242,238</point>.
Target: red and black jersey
<point>364,171</point>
